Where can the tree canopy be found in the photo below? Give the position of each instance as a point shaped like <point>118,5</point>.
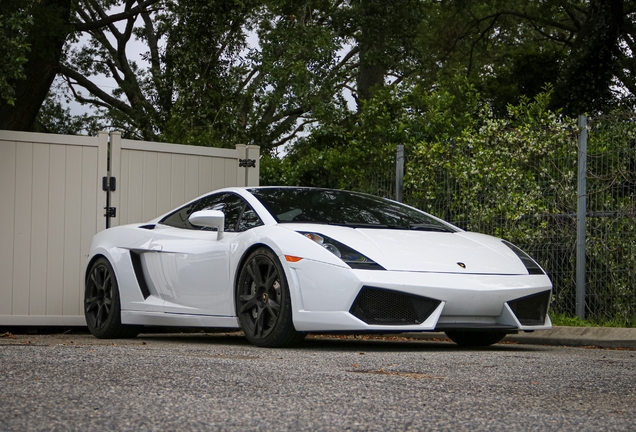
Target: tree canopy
<point>273,72</point>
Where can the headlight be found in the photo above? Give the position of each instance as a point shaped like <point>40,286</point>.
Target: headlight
<point>351,257</point>
<point>532,267</point>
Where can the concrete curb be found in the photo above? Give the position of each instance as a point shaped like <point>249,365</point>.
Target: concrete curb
<point>606,337</point>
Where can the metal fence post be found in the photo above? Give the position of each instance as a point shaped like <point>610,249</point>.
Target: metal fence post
<point>399,173</point>
<point>581,213</point>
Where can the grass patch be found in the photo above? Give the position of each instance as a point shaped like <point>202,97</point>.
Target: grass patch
<point>561,319</point>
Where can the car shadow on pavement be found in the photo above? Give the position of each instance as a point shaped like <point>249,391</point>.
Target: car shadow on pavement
<point>344,343</point>
<point>211,337</point>
<point>402,344</point>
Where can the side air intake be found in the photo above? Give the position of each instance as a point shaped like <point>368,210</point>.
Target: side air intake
<point>387,307</point>
<point>139,274</point>
<point>532,309</point>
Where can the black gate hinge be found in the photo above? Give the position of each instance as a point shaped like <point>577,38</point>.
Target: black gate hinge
<point>110,212</point>
<point>247,163</point>
<point>109,184</point>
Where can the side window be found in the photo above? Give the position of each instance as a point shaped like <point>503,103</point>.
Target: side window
<point>239,216</point>
<point>249,219</point>
<point>179,218</point>
<point>231,205</point>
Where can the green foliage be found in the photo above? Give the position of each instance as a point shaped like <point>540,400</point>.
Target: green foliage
<point>514,48</point>
<point>561,319</point>
<point>513,178</point>
<point>15,23</point>
<point>516,179</point>
<point>320,65</point>
<point>497,169</point>
<point>611,223</point>
<point>349,153</point>
<point>55,118</point>
<point>198,91</point>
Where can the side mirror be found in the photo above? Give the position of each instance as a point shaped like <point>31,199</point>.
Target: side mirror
<point>209,219</point>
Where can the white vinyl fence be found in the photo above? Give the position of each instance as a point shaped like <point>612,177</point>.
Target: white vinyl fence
<point>153,178</point>
<point>52,202</point>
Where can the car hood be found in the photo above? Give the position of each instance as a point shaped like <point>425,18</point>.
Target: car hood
<point>425,251</point>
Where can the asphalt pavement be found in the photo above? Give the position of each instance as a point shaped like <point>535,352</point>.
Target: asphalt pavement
<point>218,382</point>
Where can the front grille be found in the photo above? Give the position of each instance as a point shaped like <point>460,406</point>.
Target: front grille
<point>139,273</point>
<point>386,307</point>
<point>532,309</point>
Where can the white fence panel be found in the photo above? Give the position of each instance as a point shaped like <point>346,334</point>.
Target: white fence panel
<point>153,178</point>
<point>52,204</point>
<point>50,207</point>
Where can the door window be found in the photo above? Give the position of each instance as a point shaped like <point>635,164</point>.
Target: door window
<point>239,216</point>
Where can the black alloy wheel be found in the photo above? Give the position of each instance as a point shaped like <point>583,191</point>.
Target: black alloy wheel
<point>101,303</point>
<point>263,302</point>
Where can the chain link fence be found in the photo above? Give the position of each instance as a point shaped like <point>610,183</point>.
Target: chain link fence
<point>533,203</point>
<point>522,186</point>
<point>379,181</point>
<point>611,222</point>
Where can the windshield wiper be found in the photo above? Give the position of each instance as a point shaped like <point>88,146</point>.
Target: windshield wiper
<point>428,227</point>
<point>358,225</point>
<point>368,225</point>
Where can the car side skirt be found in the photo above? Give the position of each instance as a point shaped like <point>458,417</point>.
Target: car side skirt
<point>177,320</point>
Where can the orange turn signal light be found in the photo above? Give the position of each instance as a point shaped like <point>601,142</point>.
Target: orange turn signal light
<point>292,258</point>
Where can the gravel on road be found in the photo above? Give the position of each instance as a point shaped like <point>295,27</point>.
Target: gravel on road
<point>220,382</point>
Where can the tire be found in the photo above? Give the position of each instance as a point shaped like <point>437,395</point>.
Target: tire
<point>475,338</point>
<point>102,308</point>
<point>263,303</point>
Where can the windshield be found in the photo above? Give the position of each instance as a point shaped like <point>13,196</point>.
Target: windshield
<point>337,207</point>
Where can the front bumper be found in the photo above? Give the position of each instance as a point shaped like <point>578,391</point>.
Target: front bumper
<point>323,295</point>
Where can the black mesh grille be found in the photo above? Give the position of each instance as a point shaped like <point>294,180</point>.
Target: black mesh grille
<point>139,273</point>
<point>386,307</point>
<point>532,309</point>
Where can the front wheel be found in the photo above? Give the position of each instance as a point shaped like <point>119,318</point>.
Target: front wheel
<point>475,338</point>
<point>102,308</point>
<point>263,303</point>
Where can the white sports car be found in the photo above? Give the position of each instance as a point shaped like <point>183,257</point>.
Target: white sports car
<point>281,262</point>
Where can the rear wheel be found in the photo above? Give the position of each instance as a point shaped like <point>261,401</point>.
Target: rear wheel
<point>102,308</point>
<point>263,303</point>
<point>475,338</point>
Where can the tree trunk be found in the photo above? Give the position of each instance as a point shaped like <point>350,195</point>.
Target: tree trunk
<point>51,26</point>
<point>372,69</point>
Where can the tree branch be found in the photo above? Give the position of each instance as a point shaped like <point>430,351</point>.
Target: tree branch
<point>354,93</point>
<point>542,20</point>
<point>106,20</point>
<point>298,129</point>
<point>344,61</point>
<point>570,11</point>
<point>97,8</point>
<point>626,80</point>
<point>249,77</point>
<point>289,113</point>
<point>93,89</point>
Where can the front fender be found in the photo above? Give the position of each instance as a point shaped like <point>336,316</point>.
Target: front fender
<point>282,242</point>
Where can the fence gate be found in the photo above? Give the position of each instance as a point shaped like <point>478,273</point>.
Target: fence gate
<point>153,178</point>
<point>51,205</point>
<point>55,191</point>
